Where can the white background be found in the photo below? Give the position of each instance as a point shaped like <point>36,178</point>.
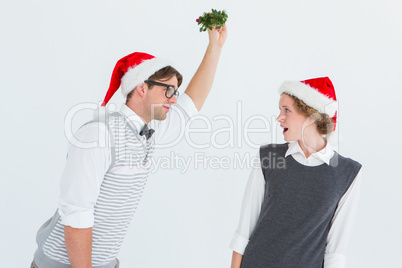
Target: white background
<point>57,54</point>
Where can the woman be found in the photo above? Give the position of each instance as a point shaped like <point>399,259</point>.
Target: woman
<point>299,201</point>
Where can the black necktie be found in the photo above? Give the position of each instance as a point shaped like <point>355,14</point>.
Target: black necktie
<point>147,132</point>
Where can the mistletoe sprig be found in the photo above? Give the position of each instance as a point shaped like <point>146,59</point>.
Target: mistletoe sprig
<point>215,19</point>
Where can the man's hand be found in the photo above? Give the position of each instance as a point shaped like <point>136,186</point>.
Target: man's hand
<point>218,36</point>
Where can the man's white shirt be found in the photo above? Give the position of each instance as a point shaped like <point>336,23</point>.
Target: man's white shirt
<point>86,168</point>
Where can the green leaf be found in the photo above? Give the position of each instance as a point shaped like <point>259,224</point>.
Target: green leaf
<point>215,19</point>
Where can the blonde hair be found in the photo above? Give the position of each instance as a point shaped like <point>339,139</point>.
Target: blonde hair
<point>324,123</point>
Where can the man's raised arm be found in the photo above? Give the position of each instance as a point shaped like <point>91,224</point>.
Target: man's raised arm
<point>201,83</point>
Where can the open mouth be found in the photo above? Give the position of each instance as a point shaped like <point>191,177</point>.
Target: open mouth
<point>285,130</point>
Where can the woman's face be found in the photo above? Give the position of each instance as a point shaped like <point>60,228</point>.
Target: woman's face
<point>291,120</point>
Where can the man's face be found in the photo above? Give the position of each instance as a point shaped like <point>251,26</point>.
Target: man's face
<point>158,105</point>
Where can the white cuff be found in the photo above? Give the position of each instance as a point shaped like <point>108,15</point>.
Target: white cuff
<point>77,219</point>
<point>187,104</point>
<point>239,243</point>
<point>334,260</point>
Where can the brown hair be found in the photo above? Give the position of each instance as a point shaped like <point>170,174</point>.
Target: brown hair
<point>324,123</point>
<point>163,74</point>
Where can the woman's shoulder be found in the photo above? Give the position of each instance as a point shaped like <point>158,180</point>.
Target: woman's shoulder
<point>339,159</point>
<point>274,148</point>
<point>275,145</point>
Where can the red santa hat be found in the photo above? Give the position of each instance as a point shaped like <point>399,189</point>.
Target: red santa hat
<point>318,93</point>
<point>132,70</point>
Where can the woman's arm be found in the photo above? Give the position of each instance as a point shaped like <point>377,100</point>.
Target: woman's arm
<point>236,260</point>
<point>341,226</point>
<point>250,211</point>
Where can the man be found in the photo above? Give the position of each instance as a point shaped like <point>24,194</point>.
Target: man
<point>101,186</point>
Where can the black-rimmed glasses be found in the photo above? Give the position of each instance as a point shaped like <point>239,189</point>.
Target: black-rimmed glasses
<point>170,90</point>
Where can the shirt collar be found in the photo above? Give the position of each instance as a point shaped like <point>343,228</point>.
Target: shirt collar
<point>132,117</point>
<point>323,155</point>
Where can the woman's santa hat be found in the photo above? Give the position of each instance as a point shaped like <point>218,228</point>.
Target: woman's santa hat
<point>318,93</point>
<point>132,70</point>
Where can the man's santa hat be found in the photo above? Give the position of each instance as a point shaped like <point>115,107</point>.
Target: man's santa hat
<point>132,70</point>
<point>318,93</point>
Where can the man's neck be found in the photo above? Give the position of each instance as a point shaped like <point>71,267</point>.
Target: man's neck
<point>137,109</point>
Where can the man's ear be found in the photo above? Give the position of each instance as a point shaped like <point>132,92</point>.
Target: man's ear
<point>141,89</point>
